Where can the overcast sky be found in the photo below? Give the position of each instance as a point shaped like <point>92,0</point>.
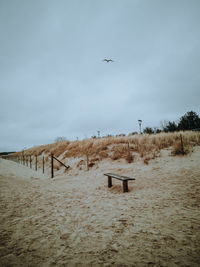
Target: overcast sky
<point>53,81</point>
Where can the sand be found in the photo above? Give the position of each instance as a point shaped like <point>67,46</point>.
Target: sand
<point>76,220</point>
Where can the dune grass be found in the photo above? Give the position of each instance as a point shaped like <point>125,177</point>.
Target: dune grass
<point>145,146</point>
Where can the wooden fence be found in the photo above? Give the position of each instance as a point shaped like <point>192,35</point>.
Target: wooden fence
<point>32,161</point>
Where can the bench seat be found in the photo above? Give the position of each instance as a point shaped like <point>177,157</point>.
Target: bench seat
<point>124,179</point>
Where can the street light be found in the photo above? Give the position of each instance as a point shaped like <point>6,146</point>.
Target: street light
<point>140,123</point>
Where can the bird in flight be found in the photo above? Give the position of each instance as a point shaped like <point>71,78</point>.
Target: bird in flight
<point>108,60</point>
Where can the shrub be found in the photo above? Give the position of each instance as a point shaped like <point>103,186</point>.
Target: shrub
<point>148,130</point>
<point>116,155</point>
<point>129,158</point>
<point>103,155</point>
<point>178,149</point>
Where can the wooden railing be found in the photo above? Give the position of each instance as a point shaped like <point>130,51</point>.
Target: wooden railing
<point>28,160</point>
<point>52,164</point>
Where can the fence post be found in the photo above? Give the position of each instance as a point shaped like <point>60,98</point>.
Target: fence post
<point>182,148</point>
<point>52,174</point>
<point>43,164</point>
<point>23,161</point>
<point>36,162</point>
<point>87,160</point>
<point>30,162</point>
<point>129,154</point>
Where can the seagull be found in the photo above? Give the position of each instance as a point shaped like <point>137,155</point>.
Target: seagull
<point>108,60</point>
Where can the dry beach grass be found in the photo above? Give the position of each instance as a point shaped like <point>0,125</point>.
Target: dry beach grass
<point>129,148</point>
<point>75,220</point>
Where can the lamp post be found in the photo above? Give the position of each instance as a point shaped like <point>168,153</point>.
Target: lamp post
<point>140,123</point>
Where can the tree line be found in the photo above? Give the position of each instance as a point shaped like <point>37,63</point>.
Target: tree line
<point>189,121</point>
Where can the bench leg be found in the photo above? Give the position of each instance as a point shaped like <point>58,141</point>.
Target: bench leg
<point>125,186</point>
<point>109,181</point>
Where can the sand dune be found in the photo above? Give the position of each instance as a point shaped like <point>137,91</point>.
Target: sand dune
<point>75,220</point>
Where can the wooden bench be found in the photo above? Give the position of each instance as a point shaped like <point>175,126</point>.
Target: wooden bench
<point>124,179</point>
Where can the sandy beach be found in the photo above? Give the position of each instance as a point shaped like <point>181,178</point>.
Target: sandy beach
<point>76,220</point>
